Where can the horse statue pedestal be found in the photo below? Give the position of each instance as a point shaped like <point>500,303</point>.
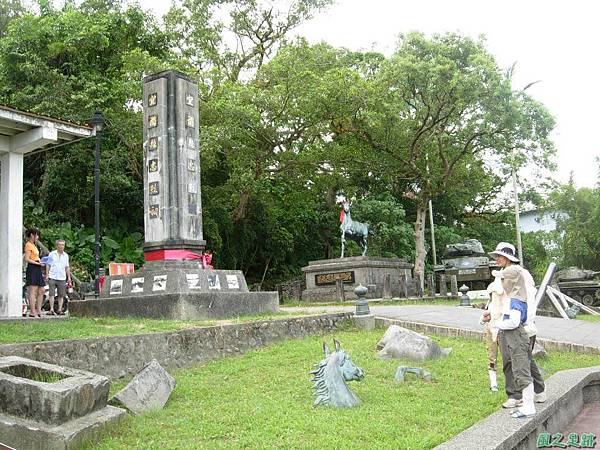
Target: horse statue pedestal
<point>322,275</point>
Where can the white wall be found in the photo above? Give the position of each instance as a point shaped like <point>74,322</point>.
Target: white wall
<point>534,221</point>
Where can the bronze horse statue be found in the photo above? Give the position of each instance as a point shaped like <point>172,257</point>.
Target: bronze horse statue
<point>353,230</point>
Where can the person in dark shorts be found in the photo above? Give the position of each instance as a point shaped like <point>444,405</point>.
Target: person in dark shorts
<point>34,277</point>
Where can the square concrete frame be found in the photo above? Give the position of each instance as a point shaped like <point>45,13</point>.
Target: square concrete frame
<point>48,415</point>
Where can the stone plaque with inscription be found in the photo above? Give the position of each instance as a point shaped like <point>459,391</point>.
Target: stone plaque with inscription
<point>324,279</point>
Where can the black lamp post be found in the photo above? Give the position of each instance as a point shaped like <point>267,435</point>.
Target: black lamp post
<point>98,123</point>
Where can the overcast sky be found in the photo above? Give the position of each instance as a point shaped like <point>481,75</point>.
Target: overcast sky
<point>552,41</point>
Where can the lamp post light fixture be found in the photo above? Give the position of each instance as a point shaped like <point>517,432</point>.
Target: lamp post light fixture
<point>362,305</point>
<point>98,123</point>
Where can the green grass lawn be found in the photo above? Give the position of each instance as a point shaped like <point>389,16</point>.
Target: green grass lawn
<point>379,302</point>
<point>79,328</point>
<point>263,399</point>
<point>588,317</point>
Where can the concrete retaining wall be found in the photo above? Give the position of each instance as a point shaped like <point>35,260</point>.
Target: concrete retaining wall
<point>441,330</point>
<point>120,356</point>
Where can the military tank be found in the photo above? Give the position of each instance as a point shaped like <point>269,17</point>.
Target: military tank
<point>468,262</point>
<point>579,284</point>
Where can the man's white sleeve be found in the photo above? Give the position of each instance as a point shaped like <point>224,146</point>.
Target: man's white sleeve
<point>513,321</point>
<point>531,296</point>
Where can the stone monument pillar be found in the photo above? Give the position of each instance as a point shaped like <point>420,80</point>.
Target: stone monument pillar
<point>172,201</point>
<point>174,283</point>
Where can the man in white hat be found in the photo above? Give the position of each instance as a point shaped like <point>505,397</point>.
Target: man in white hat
<point>513,336</point>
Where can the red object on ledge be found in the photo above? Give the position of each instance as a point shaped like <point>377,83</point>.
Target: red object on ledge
<point>207,261</point>
<point>101,280</point>
<point>161,255</point>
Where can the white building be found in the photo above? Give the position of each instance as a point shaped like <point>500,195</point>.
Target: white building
<point>22,133</point>
<point>535,220</point>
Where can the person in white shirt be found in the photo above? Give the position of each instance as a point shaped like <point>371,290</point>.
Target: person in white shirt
<point>58,275</point>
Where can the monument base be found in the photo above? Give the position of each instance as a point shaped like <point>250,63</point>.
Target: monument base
<point>179,290</point>
<point>321,277</point>
<point>179,306</point>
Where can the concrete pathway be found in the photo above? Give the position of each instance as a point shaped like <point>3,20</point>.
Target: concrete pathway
<point>578,332</point>
<point>587,421</point>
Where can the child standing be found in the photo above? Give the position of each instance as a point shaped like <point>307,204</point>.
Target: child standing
<point>490,318</point>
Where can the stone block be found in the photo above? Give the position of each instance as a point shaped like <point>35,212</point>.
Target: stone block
<point>178,290</point>
<point>365,322</point>
<point>148,390</point>
<point>454,286</point>
<point>539,351</point>
<point>398,342</point>
<point>443,285</point>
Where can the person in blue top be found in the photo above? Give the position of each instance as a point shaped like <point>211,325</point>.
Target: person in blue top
<point>512,331</point>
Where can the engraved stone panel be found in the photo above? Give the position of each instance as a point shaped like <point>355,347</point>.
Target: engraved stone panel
<point>189,99</point>
<point>153,99</point>
<point>153,188</point>
<point>324,279</point>
<point>189,121</point>
<point>154,211</point>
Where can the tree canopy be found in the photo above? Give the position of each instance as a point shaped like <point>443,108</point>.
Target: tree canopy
<point>285,127</point>
<point>440,118</point>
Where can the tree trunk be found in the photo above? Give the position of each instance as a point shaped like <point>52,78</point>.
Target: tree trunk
<point>241,209</point>
<point>420,241</point>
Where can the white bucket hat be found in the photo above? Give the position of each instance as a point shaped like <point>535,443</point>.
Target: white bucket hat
<point>505,249</point>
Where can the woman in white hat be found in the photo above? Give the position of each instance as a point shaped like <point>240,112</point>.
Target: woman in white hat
<point>512,332</point>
